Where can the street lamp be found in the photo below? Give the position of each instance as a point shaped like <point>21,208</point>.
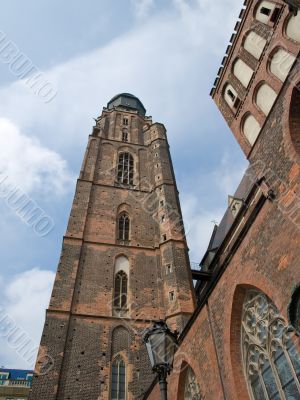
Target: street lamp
<point>161,345</point>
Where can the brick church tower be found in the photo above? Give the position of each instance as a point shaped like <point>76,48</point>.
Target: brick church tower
<point>124,263</point>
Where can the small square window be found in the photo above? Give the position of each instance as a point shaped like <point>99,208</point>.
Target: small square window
<point>231,95</point>
<point>171,296</point>
<point>265,11</point>
<point>169,269</point>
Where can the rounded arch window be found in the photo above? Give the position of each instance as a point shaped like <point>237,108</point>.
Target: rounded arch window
<point>251,128</point>
<point>265,98</point>
<point>281,63</point>
<point>231,96</point>
<point>254,44</point>
<point>270,357</point>
<point>243,72</point>
<point>293,28</point>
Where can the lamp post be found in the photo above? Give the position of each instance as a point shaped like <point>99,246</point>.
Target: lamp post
<point>161,345</point>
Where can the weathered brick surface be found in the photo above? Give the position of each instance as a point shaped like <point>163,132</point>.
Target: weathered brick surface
<point>267,256</point>
<point>84,287</point>
<point>276,38</point>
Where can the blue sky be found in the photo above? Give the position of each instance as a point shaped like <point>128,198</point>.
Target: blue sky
<point>166,52</point>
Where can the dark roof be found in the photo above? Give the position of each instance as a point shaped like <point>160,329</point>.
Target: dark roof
<point>17,374</point>
<point>127,100</point>
<point>220,233</point>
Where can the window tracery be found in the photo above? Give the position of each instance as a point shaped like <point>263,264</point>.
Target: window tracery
<point>269,349</point>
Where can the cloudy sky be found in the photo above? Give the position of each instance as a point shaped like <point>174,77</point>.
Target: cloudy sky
<point>167,53</point>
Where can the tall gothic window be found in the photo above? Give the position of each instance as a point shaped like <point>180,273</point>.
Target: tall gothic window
<point>125,169</point>
<point>121,288</point>
<point>191,387</point>
<point>118,381</point>
<point>123,227</point>
<point>269,350</point>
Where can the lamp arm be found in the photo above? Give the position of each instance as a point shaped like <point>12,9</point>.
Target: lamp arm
<point>163,384</point>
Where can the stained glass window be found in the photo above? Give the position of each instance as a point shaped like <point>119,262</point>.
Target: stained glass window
<point>269,349</point>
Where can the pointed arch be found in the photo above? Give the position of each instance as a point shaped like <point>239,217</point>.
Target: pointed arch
<point>271,362</point>
<point>188,387</point>
<point>120,292</point>
<point>120,342</point>
<point>118,379</point>
<point>123,226</point>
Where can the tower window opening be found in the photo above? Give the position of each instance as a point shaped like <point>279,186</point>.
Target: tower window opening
<point>161,202</point>
<point>169,269</point>
<point>164,237</point>
<point>171,296</point>
<point>120,297</point>
<point>265,11</point>
<point>231,95</point>
<point>123,227</point>
<point>163,218</point>
<point>125,169</point>
<point>118,382</point>
<point>125,121</point>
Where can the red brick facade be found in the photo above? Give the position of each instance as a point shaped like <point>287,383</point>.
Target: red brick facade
<point>260,246</point>
<point>82,333</point>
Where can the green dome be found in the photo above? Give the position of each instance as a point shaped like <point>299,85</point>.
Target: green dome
<point>127,100</point>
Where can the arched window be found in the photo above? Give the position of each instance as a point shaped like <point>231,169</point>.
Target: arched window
<point>191,387</point>
<point>254,44</point>
<point>267,12</point>
<point>243,72</point>
<point>265,98</point>
<point>270,358</point>
<point>293,28</point>
<point>281,63</point>
<point>118,379</point>
<point>294,309</point>
<point>251,128</point>
<point>123,226</point>
<point>125,169</point>
<point>231,97</point>
<point>121,288</point>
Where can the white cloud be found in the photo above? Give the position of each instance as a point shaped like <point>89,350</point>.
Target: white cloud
<point>199,225</point>
<point>24,299</point>
<point>163,61</point>
<point>229,174</point>
<point>28,164</point>
<point>141,8</point>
